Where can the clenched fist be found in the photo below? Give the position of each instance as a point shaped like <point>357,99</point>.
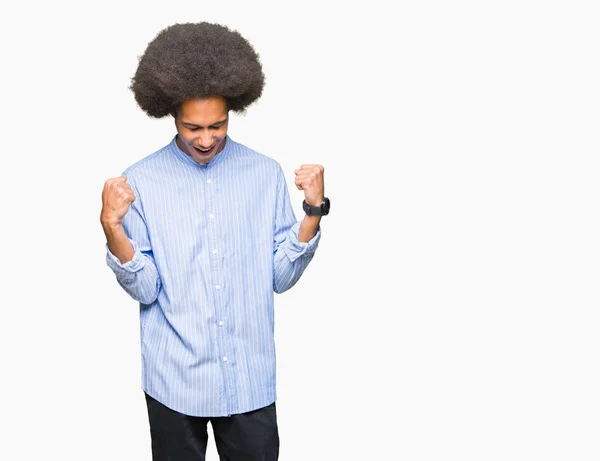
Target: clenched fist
<point>117,196</point>
<point>309,178</point>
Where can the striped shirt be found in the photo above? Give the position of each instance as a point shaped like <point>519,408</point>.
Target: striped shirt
<point>212,244</point>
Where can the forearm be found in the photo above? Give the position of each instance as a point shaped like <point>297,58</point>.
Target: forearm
<point>308,228</point>
<point>117,242</point>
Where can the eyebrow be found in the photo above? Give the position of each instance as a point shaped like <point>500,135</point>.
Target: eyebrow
<point>192,125</point>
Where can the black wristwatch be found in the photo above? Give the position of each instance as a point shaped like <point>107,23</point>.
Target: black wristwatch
<point>321,210</point>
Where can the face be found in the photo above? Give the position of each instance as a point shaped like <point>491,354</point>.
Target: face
<point>201,127</point>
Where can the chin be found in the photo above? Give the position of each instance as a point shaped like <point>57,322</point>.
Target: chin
<point>200,159</point>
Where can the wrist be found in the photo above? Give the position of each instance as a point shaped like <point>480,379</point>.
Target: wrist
<point>110,224</point>
<point>313,202</point>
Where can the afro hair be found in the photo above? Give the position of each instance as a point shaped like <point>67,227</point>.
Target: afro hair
<point>197,60</point>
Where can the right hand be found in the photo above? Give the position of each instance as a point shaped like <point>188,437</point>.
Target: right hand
<point>117,197</point>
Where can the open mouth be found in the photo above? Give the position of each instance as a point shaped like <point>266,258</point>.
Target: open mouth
<point>204,151</point>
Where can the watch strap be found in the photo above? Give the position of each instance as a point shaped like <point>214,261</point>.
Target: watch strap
<point>320,210</point>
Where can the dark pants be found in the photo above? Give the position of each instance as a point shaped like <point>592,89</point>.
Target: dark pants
<point>251,436</point>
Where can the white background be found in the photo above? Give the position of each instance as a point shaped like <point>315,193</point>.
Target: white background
<point>451,311</point>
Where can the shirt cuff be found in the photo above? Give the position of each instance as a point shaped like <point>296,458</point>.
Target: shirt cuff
<point>294,248</point>
<point>134,265</point>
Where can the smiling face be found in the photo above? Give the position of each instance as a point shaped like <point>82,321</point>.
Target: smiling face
<point>201,127</point>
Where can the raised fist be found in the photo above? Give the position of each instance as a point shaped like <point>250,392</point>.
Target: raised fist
<point>309,178</point>
<point>117,196</point>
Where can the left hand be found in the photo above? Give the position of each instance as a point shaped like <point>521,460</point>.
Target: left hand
<point>309,178</point>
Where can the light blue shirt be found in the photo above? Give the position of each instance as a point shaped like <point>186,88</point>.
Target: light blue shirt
<point>212,244</point>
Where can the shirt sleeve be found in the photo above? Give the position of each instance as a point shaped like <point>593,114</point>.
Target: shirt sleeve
<point>138,277</point>
<point>291,257</point>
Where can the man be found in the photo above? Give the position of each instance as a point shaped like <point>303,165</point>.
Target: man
<point>202,233</point>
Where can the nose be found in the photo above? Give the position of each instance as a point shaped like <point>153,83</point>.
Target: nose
<point>205,140</point>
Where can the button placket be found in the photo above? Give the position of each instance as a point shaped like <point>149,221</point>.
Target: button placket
<point>224,343</point>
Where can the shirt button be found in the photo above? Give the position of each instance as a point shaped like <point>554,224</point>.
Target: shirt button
<point>215,252</point>
<point>225,359</point>
<point>221,323</point>
<point>218,287</point>
<point>209,181</point>
<point>211,216</point>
